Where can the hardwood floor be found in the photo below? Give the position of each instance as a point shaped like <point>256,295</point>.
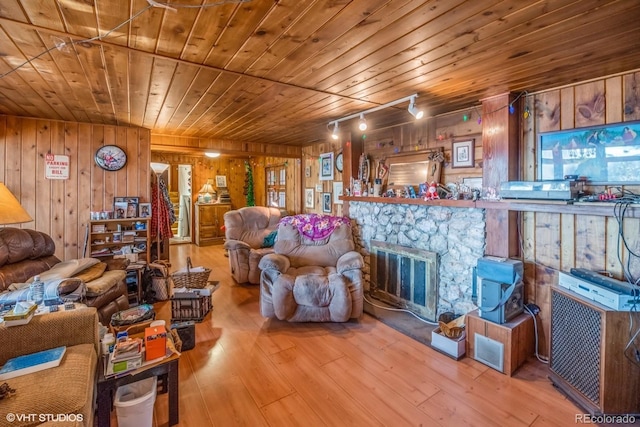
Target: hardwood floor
<point>250,371</point>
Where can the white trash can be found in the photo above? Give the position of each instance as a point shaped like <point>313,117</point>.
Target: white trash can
<point>134,403</point>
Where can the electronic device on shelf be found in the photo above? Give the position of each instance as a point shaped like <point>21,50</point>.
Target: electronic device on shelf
<point>561,189</point>
<point>613,295</point>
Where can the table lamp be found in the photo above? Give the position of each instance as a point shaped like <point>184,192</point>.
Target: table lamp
<point>207,191</point>
<point>11,212</point>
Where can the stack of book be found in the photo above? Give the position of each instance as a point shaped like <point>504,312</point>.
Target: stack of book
<point>127,355</point>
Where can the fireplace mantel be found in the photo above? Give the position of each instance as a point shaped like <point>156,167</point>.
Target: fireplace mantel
<point>546,206</point>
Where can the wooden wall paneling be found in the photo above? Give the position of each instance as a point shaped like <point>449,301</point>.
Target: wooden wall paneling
<point>84,159</point>
<point>12,181</point>
<point>631,96</point>
<point>612,246</point>
<point>567,110</point>
<point>73,237</point>
<point>130,182</point>
<point>57,207</point>
<point>590,242</point>
<point>120,177</point>
<point>97,174</point>
<point>547,111</point>
<point>590,104</point>
<point>528,221</point>
<point>21,160</point>
<point>110,178</point>
<point>529,140</point>
<point>632,235</point>
<point>41,187</point>
<point>567,242</point>
<point>613,97</point>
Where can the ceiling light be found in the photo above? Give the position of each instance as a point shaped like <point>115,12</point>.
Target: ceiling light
<point>363,123</point>
<point>414,111</point>
<point>211,154</point>
<point>334,134</point>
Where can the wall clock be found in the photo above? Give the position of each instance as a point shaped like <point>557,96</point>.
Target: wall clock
<point>111,158</point>
<point>339,162</point>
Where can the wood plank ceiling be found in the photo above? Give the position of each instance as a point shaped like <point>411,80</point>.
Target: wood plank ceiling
<point>276,71</point>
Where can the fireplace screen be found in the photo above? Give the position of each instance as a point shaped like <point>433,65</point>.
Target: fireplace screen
<point>405,277</point>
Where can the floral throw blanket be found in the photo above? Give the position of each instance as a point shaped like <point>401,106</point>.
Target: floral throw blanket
<point>315,226</point>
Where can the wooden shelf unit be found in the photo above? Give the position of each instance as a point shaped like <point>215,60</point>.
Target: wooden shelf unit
<point>98,239</point>
<point>209,218</point>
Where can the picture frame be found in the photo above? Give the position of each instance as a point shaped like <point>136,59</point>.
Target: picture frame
<point>463,154</point>
<point>337,192</point>
<point>474,183</point>
<point>132,210</point>
<point>326,202</point>
<point>326,166</point>
<point>120,209</point>
<point>601,155</point>
<point>308,198</point>
<point>145,210</point>
<point>221,181</point>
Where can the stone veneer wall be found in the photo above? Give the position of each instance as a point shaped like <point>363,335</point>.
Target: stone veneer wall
<point>457,235</point>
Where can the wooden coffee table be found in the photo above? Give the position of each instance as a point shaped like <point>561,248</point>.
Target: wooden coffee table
<point>167,369</point>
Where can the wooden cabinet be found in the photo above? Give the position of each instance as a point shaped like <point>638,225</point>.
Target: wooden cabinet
<point>109,237</point>
<point>515,339</point>
<point>209,219</point>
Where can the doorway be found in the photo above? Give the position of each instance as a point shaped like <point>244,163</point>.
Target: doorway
<point>182,205</point>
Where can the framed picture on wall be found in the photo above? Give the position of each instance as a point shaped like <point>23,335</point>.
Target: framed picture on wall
<point>462,154</point>
<point>337,192</point>
<point>326,202</point>
<point>221,181</point>
<point>308,198</point>
<point>326,167</point>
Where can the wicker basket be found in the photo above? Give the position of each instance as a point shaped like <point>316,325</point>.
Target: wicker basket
<point>190,279</point>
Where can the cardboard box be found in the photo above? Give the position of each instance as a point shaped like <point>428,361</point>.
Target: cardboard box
<point>453,347</point>
<point>155,342</point>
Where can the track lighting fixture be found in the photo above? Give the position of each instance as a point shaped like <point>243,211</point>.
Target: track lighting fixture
<point>415,111</point>
<point>334,134</point>
<point>362,124</point>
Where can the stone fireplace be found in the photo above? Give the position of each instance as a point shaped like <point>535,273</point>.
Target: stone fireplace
<point>455,234</point>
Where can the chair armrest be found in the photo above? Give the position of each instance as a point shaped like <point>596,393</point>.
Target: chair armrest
<point>235,245</point>
<point>275,262</point>
<point>45,331</point>
<point>350,261</point>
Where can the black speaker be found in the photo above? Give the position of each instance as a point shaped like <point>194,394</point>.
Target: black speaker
<point>587,359</point>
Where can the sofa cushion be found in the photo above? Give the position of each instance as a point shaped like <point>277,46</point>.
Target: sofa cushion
<point>91,273</point>
<point>107,281</point>
<point>68,388</point>
<point>67,269</point>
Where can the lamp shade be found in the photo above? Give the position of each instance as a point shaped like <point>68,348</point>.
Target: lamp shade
<point>158,168</point>
<point>11,212</point>
<point>207,187</point>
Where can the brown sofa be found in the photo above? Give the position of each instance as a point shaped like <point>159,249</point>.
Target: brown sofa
<point>245,232</point>
<point>25,253</point>
<point>66,391</point>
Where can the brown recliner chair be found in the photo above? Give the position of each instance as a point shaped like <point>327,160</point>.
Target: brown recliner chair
<point>245,232</point>
<point>311,278</point>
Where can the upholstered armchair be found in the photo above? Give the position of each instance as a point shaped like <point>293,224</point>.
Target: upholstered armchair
<point>314,274</point>
<point>245,232</point>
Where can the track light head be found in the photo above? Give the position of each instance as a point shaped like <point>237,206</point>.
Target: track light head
<point>334,134</point>
<point>362,125</point>
<point>415,111</point>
